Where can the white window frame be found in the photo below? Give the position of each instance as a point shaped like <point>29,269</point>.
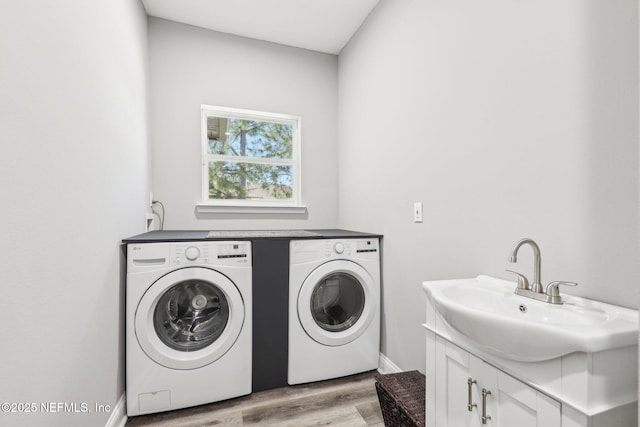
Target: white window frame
<point>293,205</point>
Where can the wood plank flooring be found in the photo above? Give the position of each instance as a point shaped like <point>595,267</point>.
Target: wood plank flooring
<point>350,401</point>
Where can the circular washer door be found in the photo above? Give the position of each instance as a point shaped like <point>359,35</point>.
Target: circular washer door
<point>337,302</point>
<point>189,318</point>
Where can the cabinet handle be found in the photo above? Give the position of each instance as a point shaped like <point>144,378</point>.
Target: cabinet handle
<point>470,405</point>
<point>485,417</point>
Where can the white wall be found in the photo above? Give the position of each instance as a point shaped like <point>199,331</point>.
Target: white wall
<point>74,176</point>
<point>508,120</point>
<point>191,66</point>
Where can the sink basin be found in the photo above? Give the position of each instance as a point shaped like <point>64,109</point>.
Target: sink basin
<point>486,311</point>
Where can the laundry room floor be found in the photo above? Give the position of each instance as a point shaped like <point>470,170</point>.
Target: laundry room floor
<point>350,401</point>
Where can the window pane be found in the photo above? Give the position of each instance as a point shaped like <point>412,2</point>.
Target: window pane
<point>249,138</point>
<point>248,181</point>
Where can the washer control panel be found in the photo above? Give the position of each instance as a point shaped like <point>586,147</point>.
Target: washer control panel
<point>190,252</point>
<point>149,256</point>
<point>218,253</point>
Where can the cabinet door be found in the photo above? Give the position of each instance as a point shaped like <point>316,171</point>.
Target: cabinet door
<point>513,403</point>
<point>453,390</point>
<point>462,379</point>
<point>486,377</point>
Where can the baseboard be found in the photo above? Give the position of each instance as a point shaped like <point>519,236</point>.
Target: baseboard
<point>386,366</point>
<point>118,416</point>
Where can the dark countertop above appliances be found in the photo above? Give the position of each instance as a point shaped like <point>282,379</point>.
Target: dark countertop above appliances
<point>194,235</point>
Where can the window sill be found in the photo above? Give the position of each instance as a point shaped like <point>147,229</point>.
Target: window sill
<point>239,208</point>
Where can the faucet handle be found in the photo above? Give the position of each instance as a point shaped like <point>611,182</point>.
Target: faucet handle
<point>552,288</point>
<point>523,282</point>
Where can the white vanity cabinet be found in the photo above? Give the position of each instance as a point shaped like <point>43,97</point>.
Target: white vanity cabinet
<point>468,392</point>
<point>480,336</point>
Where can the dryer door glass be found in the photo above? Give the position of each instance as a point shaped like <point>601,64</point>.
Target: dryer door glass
<point>191,315</point>
<point>337,302</point>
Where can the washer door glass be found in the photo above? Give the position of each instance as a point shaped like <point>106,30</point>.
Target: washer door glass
<point>189,318</point>
<point>337,302</point>
<point>191,315</point>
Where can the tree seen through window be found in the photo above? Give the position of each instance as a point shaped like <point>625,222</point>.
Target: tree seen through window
<point>249,159</point>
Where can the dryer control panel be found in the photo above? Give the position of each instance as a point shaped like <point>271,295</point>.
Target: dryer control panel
<point>312,250</point>
<point>350,247</point>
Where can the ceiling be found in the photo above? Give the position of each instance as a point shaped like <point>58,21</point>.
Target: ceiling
<point>320,25</point>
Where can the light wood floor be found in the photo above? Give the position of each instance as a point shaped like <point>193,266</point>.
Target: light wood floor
<point>350,401</point>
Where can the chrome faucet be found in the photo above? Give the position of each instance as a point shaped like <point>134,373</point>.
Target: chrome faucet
<point>535,290</point>
<point>536,286</point>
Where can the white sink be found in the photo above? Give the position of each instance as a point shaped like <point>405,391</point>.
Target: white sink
<point>488,313</point>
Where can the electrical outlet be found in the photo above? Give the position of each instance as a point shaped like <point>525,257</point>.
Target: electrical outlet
<point>150,198</point>
<point>149,222</point>
<point>417,212</point>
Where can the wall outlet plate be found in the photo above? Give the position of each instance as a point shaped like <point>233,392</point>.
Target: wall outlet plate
<point>417,212</point>
<point>149,221</point>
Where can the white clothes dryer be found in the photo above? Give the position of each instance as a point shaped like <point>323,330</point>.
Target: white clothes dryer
<point>188,324</point>
<point>334,308</point>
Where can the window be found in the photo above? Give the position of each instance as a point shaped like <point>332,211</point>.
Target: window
<point>250,159</point>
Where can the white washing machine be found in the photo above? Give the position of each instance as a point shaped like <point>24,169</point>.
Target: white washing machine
<point>334,308</point>
<point>188,324</point>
